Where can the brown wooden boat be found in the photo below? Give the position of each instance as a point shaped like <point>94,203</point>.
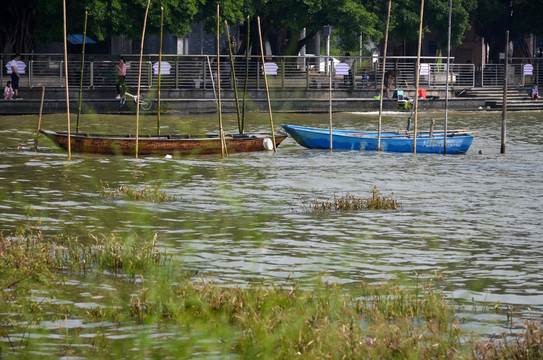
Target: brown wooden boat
<point>163,144</point>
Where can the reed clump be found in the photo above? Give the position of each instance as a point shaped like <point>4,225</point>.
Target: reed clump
<point>146,193</point>
<point>351,202</point>
<point>527,344</point>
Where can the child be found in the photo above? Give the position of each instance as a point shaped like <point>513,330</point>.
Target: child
<point>534,93</point>
<point>8,92</point>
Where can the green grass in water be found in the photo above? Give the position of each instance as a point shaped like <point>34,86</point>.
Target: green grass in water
<point>146,193</point>
<point>168,313</point>
<point>351,202</point>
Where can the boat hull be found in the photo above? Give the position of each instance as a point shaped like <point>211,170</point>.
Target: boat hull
<point>314,138</point>
<point>163,144</point>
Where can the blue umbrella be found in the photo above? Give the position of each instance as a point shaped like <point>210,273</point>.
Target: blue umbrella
<point>77,39</point>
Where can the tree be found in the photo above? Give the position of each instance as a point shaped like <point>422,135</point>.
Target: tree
<point>26,22</point>
<point>283,20</point>
<point>521,17</point>
<point>405,19</point>
<point>29,21</point>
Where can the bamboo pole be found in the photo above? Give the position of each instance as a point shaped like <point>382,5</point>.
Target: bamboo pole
<point>447,81</point>
<point>159,71</point>
<point>379,127</point>
<point>504,106</point>
<point>266,83</point>
<point>139,79</point>
<point>39,119</point>
<point>81,77</point>
<point>247,50</point>
<point>212,81</point>
<point>224,151</point>
<point>66,80</point>
<point>240,128</point>
<point>330,66</point>
<point>417,72</point>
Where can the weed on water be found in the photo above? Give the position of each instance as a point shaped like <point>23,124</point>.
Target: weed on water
<point>351,202</point>
<point>145,193</point>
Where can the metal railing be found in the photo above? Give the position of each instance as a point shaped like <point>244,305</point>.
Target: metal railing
<point>289,72</point>
<point>522,72</point>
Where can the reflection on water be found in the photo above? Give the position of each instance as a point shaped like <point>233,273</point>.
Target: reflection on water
<point>476,217</point>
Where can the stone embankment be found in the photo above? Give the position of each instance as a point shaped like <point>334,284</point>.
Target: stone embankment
<point>292,100</point>
<point>517,98</point>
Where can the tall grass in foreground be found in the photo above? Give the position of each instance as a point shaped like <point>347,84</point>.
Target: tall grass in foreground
<point>168,313</point>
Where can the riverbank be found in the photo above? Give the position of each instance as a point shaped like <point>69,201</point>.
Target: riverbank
<point>200,101</point>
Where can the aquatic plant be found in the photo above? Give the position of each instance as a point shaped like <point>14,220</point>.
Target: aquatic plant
<point>351,202</point>
<point>146,193</point>
<point>527,344</point>
<point>167,312</point>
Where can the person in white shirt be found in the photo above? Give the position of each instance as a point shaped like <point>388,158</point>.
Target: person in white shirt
<point>15,74</point>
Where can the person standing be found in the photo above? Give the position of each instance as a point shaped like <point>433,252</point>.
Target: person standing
<point>390,77</point>
<point>15,74</point>
<point>350,78</point>
<point>121,75</point>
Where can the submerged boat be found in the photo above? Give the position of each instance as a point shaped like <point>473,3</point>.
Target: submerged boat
<point>458,141</point>
<point>163,144</point>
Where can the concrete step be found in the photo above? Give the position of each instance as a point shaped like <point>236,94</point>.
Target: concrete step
<point>525,105</point>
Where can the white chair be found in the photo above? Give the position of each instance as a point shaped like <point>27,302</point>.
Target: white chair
<point>342,68</point>
<point>164,68</point>
<point>21,68</point>
<point>271,68</point>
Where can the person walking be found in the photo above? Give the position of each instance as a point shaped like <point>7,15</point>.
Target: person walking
<point>15,75</point>
<point>121,75</point>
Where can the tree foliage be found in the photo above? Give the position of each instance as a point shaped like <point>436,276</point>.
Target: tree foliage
<point>521,17</point>
<point>27,21</point>
<point>405,18</point>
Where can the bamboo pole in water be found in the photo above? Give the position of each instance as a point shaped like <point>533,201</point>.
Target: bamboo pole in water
<point>224,150</point>
<point>247,50</point>
<point>81,75</point>
<point>447,80</point>
<point>266,83</point>
<point>240,129</point>
<point>159,71</point>
<point>330,66</point>
<point>379,128</point>
<point>66,80</point>
<point>39,119</point>
<point>417,76</point>
<point>504,106</point>
<point>212,81</point>
<point>139,79</point>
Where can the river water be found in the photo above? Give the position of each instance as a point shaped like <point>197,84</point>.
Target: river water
<point>475,218</point>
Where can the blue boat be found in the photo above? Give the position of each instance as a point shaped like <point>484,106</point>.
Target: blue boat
<point>458,141</point>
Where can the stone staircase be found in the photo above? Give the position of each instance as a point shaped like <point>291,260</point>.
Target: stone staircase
<point>517,98</point>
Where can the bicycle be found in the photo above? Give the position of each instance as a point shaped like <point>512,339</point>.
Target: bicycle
<point>144,102</point>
